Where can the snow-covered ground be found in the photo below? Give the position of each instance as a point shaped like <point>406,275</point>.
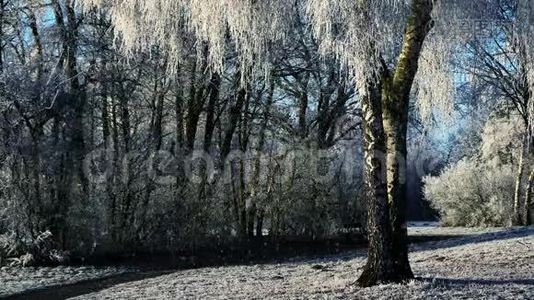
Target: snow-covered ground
<point>16,280</point>
<point>485,264</point>
<point>434,229</point>
<point>490,265</point>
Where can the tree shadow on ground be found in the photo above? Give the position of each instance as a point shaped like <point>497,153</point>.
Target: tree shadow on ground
<point>449,282</point>
<point>84,287</point>
<point>475,239</point>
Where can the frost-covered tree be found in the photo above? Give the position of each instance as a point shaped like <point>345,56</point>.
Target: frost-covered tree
<point>381,43</point>
<point>477,190</point>
<point>69,92</point>
<point>499,65</point>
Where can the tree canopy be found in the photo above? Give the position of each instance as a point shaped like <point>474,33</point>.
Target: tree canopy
<point>360,34</point>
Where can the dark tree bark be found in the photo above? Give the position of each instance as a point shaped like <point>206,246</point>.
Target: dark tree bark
<point>303,108</point>
<point>226,146</point>
<point>75,98</point>
<point>127,200</point>
<point>38,44</point>
<point>235,114</point>
<point>395,94</point>
<point>105,116</point>
<point>247,211</point>
<point>517,218</point>
<point>179,116</point>
<point>396,97</point>
<point>193,111</point>
<point>255,212</point>
<point>528,200</point>
<point>115,167</point>
<point>155,144</point>
<point>215,84</point>
<point>158,122</point>
<point>379,267</point>
<point>195,103</point>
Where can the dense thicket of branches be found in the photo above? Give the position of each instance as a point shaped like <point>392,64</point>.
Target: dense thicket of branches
<point>103,151</point>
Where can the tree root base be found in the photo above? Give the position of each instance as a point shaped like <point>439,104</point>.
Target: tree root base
<point>371,276</point>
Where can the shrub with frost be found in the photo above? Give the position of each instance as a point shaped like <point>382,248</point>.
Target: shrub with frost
<point>471,194</point>
<point>478,190</point>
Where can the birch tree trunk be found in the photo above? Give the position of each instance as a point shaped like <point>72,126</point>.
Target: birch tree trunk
<point>528,200</point>
<point>527,221</point>
<point>379,267</point>
<point>396,97</point>
<point>516,218</point>
<point>388,248</point>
